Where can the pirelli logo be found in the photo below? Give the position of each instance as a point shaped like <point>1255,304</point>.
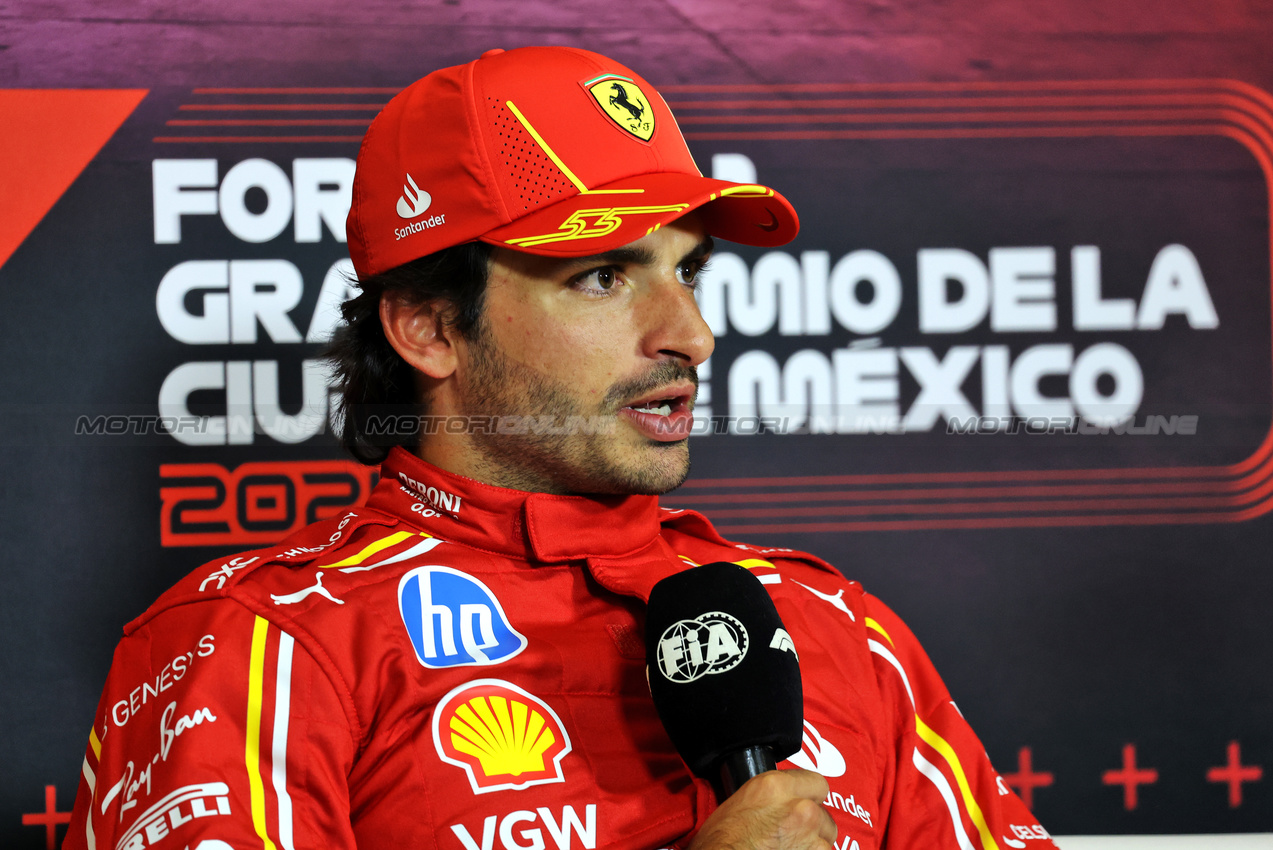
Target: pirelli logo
<point>192,802</point>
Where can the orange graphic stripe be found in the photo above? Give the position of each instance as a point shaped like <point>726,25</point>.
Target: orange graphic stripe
<point>54,134</point>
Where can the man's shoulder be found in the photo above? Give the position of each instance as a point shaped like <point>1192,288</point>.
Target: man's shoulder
<point>246,579</point>
<point>693,537</point>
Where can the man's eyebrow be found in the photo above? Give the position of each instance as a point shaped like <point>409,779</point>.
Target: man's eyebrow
<point>629,255</point>
<point>624,256</point>
<point>701,250</point>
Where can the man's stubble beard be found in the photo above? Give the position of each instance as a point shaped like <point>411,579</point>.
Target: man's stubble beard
<point>565,462</point>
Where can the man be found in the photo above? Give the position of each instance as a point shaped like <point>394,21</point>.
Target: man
<point>457,664</point>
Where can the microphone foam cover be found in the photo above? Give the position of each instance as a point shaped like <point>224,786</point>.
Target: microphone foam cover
<point>723,671</point>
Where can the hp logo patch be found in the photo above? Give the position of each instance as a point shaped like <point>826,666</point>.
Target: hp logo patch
<point>454,620</point>
<point>710,643</point>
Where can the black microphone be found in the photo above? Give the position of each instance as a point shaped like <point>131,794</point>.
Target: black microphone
<point>724,674</point>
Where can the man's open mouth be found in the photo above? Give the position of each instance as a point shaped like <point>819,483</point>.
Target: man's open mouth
<point>665,414</point>
<point>662,407</point>
<point>666,402</point>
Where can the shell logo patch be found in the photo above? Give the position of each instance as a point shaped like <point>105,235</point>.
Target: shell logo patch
<point>624,103</point>
<point>504,738</point>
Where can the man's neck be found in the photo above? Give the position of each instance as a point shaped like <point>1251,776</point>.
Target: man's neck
<point>456,454</point>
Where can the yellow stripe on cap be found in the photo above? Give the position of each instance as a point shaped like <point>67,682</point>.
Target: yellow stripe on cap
<point>747,191</point>
<point>543,145</point>
<point>252,750</point>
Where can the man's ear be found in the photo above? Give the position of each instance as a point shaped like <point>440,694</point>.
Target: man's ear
<point>420,334</point>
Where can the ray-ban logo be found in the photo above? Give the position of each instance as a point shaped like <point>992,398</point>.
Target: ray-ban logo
<point>414,200</point>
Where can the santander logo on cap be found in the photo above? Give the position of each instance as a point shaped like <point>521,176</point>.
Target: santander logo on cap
<point>414,201</point>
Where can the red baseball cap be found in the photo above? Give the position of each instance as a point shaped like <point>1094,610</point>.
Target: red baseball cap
<point>547,150</point>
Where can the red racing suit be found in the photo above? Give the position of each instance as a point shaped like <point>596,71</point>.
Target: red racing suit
<point>458,666</point>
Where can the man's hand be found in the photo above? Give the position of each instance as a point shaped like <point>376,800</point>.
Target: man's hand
<point>777,810</point>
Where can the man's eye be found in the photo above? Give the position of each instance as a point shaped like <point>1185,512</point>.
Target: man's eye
<point>598,280</point>
<point>688,273</point>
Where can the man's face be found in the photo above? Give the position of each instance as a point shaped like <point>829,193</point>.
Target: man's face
<point>613,340</point>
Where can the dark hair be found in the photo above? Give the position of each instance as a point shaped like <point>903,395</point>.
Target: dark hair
<point>380,396</point>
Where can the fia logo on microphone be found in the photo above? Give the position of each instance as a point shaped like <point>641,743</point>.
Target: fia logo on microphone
<point>710,643</point>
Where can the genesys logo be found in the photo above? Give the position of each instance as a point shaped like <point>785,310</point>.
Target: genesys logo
<point>175,810</point>
<point>454,620</point>
<point>503,737</point>
<point>171,673</point>
<point>254,504</point>
<point>524,830</point>
<point>414,200</point>
<point>708,644</point>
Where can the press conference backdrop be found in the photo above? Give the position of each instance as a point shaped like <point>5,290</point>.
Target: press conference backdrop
<point>1014,375</point>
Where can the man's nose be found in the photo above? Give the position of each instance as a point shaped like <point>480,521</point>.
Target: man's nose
<point>676,326</point>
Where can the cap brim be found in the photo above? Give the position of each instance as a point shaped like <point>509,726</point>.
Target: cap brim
<point>626,210</point>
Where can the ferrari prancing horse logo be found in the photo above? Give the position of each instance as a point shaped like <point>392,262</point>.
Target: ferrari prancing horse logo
<point>624,102</point>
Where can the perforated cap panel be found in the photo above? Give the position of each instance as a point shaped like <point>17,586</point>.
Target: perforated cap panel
<point>533,179</point>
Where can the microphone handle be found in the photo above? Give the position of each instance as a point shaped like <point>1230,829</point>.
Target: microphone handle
<point>741,765</point>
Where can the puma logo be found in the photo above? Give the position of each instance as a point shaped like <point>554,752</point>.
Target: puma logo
<point>290,598</point>
<point>837,600</point>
